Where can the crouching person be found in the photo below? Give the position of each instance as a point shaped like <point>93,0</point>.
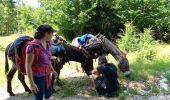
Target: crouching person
<point>105,78</point>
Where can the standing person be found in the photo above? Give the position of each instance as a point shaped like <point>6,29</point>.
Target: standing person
<point>38,62</point>
<point>105,78</point>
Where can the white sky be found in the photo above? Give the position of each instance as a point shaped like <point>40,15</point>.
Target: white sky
<point>32,3</point>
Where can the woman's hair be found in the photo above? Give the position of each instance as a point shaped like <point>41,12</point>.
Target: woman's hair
<point>42,29</point>
<point>102,60</point>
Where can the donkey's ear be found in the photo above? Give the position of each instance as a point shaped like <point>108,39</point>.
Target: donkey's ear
<point>57,36</point>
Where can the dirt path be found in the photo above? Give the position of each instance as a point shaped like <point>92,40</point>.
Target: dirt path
<point>18,89</point>
<point>22,96</point>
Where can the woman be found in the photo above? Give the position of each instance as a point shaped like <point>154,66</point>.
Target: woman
<point>38,63</point>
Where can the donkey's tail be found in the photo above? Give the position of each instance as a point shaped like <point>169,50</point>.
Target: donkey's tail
<point>6,59</point>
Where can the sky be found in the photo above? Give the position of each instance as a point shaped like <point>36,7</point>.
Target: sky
<point>32,3</point>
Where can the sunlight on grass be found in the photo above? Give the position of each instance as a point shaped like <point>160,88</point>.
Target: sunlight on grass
<point>5,40</point>
<point>2,69</point>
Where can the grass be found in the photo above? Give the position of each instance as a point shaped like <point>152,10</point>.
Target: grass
<point>76,86</point>
<point>167,75</point>
<point>144,77</point>
<point>2,71</point>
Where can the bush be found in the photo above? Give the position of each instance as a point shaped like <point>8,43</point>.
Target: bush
<point>147,46</point>
<point>129,41</point>
<point>140,43</point>
<point>146,14</point>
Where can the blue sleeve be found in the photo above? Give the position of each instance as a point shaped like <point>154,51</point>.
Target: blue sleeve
<point>82,39</point>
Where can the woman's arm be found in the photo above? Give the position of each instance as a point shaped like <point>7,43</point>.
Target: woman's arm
<point>29,62</point>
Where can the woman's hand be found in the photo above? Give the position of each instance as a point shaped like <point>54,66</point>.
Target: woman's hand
<point>94,71</point>
<point>58,59</point>
<point>55,74</point>
<point>34,88</point>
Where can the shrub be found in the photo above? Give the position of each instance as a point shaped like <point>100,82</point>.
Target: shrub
<point>140,43</point>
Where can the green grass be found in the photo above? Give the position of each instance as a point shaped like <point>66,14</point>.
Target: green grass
<point>76,86</point>
<point>2,48</point>
<point>143,77</point>
<point>2,71</point>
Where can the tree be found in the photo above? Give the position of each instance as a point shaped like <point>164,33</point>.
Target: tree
<point>75,17</point>
<point>145,14</point>
<point>8,17</point>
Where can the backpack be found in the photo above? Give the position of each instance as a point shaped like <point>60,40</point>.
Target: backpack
<point>57,48</point>
<point>21,44</point>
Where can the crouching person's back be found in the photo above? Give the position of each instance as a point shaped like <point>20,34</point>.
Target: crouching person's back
<point>105,78</point>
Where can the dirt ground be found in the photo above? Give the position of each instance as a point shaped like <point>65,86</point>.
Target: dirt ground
<point>20,95</point>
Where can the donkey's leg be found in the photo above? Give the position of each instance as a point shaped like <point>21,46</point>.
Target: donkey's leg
<point>22,80</point>
<point>10,75</point>
<point>52,84</point>
<point>57,69</point>
<point>58,79</point>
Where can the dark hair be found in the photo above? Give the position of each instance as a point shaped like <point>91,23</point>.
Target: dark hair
<point>102,60</point>
<point>42,29</point>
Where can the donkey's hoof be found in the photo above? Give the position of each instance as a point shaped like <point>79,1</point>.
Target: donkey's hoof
<point>29,91</point>
<point>59,83</point>
<point>11,94</point>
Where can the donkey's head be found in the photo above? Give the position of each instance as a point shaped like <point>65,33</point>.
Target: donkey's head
<point>87,65</point>
<point>124,66</point>
<point>58,39</point>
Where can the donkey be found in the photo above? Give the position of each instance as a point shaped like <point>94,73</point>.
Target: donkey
<point>105,47</point>
<point>71,54</point>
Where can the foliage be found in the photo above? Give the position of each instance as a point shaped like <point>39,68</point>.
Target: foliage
<point>145,14</point>
<point>143,43</point>
<point>129,41</point>
<point>75,17</point>
<point>148,46</point>
<point>8,17</point>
